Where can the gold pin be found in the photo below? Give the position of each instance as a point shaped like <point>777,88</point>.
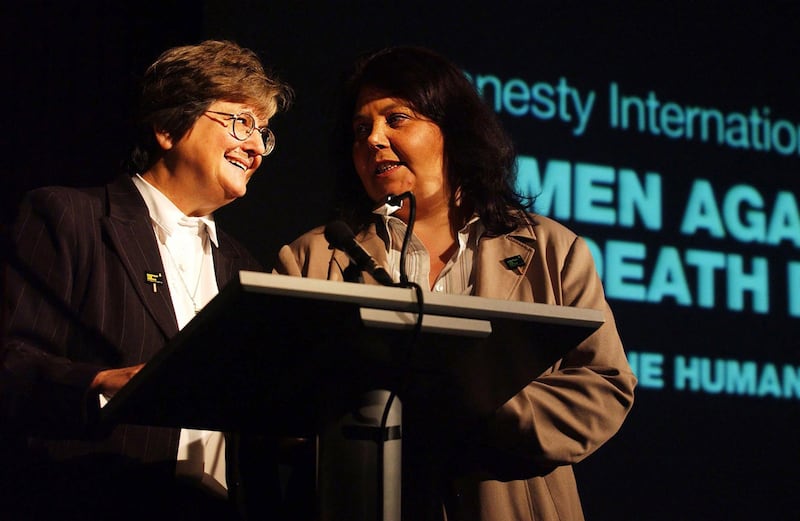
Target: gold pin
<point>156,279</point>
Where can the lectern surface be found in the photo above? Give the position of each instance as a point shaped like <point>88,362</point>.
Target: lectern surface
<point>269,350</point>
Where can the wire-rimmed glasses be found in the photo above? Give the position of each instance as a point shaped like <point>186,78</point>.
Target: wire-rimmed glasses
<point>244,123</point>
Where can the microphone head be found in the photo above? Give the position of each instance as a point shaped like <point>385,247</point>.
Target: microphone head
<point>339,235</point>
<point>390,204</point>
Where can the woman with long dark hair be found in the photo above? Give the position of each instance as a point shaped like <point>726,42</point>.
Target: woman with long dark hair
<point>412,123</point>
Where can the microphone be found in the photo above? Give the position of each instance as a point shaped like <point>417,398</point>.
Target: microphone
<point>341,237</point>
<point>388,206</point>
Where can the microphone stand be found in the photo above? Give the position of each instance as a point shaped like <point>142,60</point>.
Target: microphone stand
<point>363,438</point>
<point>404,283</point>
<point>412,216</point>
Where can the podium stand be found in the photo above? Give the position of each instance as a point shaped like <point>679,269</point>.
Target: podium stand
<point>293,356</point>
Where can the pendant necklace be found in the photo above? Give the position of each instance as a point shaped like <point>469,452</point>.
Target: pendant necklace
<point>191,294</point>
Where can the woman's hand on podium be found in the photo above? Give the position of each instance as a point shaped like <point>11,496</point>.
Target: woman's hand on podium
<point>110,381</point>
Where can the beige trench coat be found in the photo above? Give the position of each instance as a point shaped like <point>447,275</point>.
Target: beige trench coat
<point>521,467</point>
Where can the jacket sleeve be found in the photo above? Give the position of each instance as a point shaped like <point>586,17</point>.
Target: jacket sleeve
<point>579,403</point>
<point>45,391</point>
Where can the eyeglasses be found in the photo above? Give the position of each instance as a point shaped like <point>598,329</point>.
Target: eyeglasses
<point>244,123</point>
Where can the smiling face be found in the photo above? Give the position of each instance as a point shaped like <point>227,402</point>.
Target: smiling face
<point>396,150</point>
<point>208,167</point>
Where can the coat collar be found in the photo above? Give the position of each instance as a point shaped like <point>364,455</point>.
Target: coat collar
<point>494,277</point>
<point>131,234</point>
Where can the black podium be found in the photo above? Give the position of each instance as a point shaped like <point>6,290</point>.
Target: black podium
<point>303,358</point>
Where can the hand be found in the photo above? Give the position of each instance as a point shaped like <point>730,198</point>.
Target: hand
<point>110,381</point>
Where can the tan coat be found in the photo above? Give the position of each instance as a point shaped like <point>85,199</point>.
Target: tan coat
<point>521,467</point>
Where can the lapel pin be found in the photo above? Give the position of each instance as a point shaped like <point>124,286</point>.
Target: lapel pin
<point>156,279</point>
<point>514,262</point>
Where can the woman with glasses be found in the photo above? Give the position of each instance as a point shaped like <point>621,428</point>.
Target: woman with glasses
<point>103,277</point>
<point>410,122</point>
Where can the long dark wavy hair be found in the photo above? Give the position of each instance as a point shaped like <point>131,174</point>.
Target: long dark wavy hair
<point>479,154</point>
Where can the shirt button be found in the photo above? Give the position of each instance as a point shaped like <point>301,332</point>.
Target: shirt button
<point>438,288</point>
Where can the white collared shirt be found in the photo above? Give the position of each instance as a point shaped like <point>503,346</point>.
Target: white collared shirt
<point>456,276</point>
<point>185,246</point>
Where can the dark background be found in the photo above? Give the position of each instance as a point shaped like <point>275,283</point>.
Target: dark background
<point>71,70</point>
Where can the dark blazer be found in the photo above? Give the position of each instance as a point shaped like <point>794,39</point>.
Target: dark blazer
<point>78,301</point>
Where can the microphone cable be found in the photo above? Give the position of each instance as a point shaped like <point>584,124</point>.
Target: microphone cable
<point>412,341</point>
<point>412,216</point>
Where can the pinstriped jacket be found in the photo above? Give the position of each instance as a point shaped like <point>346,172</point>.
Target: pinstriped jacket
<point>519,466</point>
<point>78,301</point>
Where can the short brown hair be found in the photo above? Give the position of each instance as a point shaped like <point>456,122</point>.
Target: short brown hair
<point>184,81</point>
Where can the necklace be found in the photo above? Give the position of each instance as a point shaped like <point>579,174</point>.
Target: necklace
<point>191,294</point>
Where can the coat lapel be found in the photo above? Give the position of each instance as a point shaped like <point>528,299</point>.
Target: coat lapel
<point>131,234</point>
<point>502,261</point>
<point>495,275</point>
<point>374,245</point>
<point>225,266</point>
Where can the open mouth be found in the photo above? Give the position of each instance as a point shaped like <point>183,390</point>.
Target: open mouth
<point>385,168</point>
<point>238,164</point>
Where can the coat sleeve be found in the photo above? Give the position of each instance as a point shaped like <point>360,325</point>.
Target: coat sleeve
<point>579,403</point>
<point>45,390</point>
